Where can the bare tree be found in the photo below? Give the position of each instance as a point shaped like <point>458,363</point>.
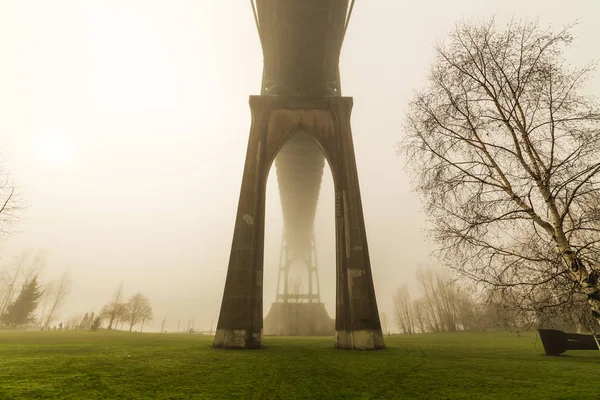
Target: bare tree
<point>430,303</point>
<point>142,327</point>
<point>420,315</point>
<point>447,299</point>
<point>403,310</point>
<point>10,204</point>
<point>114,313</point>
<point>58,293</point>
<point>505,152</point>
<point>85,321</point>
<point>445,306</point>
<point>116,310</point>
<point>91,321</point>
<point>73,321</point>
<point>384,323</point>
<point>139,310</point>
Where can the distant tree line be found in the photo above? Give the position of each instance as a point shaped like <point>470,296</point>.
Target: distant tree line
<point>135,311</point>
<point>117,314</point>
<point>443,306</point>
<point>442,303</point>
<point>37,303</point>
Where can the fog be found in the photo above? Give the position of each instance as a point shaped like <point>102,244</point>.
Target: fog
<point>124,125</point>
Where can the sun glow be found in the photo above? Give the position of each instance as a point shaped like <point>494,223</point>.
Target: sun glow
<point>54,151</point>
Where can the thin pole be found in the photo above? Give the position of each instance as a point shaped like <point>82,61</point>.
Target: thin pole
<point>281,265</point>
<point>316,266</point>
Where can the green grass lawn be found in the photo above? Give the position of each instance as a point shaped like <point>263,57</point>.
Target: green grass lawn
<point>122,365</point>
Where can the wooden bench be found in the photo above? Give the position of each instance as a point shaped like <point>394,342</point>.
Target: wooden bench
<point>556,342</point>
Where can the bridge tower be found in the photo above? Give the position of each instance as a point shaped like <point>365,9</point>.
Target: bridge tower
<point>299,121</point>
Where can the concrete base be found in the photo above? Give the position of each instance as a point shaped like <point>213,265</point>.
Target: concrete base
<point>359,340</point>
<point>298,319</point>
<point>237,339</point>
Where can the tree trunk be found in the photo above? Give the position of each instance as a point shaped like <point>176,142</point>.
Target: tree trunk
<point>589,281</point>
<point>51,314</point>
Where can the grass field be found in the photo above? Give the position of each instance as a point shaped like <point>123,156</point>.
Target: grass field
<point>121,365</point>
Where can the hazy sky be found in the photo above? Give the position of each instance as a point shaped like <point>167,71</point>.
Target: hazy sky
<point>124,124</point>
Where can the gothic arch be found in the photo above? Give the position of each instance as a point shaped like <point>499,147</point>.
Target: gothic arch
<point>298,128</point>
<point>275,120</point>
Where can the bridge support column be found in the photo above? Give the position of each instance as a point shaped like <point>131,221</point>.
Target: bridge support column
<point>274,120</point>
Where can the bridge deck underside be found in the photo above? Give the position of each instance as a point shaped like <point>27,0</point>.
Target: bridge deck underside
<point>301,43</point>
<point>299,167</point>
